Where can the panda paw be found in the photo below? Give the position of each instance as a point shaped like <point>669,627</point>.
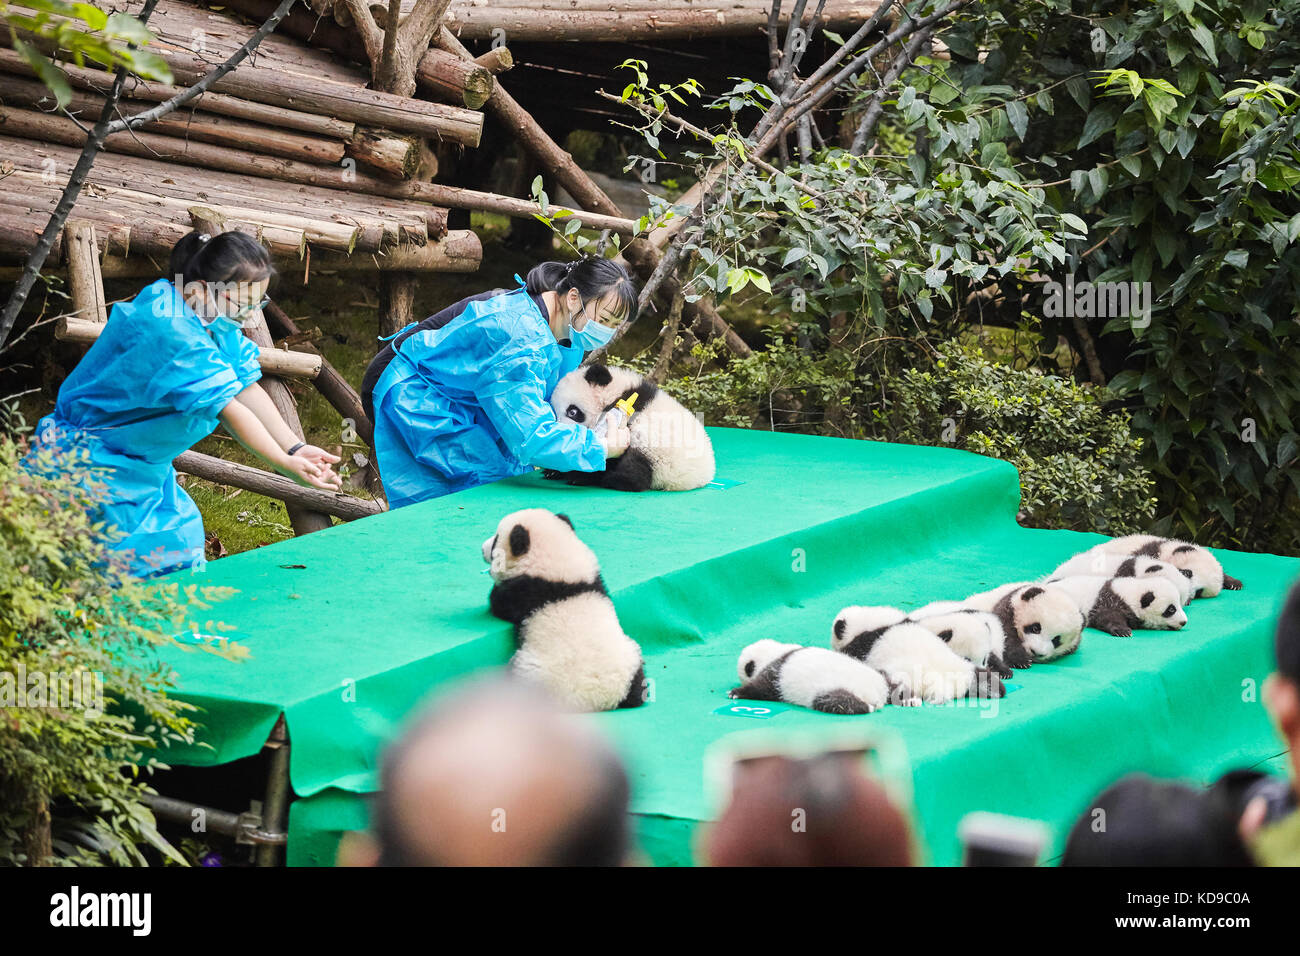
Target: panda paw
<point>1122,631</point>
<point>1231,583</point>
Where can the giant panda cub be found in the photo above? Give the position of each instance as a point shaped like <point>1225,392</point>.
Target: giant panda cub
<point>1117,605</point>
<point>1114,565</point>
<point>917,664</point>
<point>669,448</point>
<point>809,677</point>
<point>975,635</point>
<point>1207,577</point>
<point>1040,622</point>
<point>567,636</point>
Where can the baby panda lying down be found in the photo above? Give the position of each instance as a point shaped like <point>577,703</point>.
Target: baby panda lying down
<point>567,636</point>
<point>1111,564</point>
<point>669,449</point>
<point>808,677</point>
<point>1117,605</point>
<point>1207,577</point>
<point>916,663</point>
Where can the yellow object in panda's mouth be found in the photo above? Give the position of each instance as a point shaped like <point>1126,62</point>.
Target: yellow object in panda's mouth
<point>627,403</point>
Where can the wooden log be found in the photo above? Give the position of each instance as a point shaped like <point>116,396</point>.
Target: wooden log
<point>454,79</point>
<point>85,283</point>
<point>396,301</point>
<point>20,230</point>
<point>460,250</point>
<point>209,468</point>
<point>281,362</point>
<point>496,60</point>
<point>97,81</point>
<point>405,219</point>
<point>613,23</point>
<point>395,156</point>
<point>330,382</point>
<point>219,130</point>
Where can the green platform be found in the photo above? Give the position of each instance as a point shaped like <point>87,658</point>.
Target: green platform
<point>388,608</point>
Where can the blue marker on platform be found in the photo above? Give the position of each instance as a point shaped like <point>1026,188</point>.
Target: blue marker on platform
<point>723,483</point>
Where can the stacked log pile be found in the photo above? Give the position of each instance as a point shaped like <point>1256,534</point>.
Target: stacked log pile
<point>290,114</point>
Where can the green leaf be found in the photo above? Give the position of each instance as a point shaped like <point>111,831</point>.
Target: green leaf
<point>1201,33</point>
<point>1099,122</point>
<point>1018,116</point>
<point>49,74</point>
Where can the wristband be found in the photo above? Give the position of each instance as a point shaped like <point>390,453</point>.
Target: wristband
<point>301,444</point>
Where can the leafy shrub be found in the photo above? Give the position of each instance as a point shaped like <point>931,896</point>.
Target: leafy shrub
<point>1079,466</point>
<point>70,784</point>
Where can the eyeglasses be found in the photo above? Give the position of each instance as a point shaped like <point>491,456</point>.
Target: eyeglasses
<point>244,310</point>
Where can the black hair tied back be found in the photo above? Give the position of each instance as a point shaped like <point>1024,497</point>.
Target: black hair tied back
<point>594,277</point>
<point>226,257</point>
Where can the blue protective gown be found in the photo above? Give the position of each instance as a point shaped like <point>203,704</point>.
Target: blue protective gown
<point>468,403</point>
<point>149,388</point>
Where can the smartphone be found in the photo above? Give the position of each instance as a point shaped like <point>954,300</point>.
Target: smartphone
<point>991,839</point>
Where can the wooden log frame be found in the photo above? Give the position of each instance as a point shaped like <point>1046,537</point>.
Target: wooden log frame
<point>18,123</point>
<point>279,117</point>
<point>218,130</point>
<point>283,232</point>
<point>317,95</point>
<point>284,363</point>
<point>273,485</point>
<point>414,220</point>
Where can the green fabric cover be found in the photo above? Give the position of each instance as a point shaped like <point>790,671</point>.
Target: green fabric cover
<point>389,608</point>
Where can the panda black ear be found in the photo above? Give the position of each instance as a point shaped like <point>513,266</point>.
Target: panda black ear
<point>839,627</point>
<point>598,375</point>
<point>1148,598</point>
<point>565,519</point>
<point>519,540</point>
<point>946,635</point>
<point>1028,594</point>
<point>749,668</point>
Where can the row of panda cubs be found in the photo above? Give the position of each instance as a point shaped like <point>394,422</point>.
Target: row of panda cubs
<point>952,649</point>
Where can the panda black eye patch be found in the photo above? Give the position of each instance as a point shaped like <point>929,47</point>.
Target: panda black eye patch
<point>946,635</point>
<point>1033,628</point>
<point>1187,574</point>
<point>574,412</point>
<point>1169,611</point>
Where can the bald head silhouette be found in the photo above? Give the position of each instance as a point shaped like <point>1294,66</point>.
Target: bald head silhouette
<point>496,774</point>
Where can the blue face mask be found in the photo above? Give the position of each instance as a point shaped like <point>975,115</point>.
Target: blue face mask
<point>592,335</point>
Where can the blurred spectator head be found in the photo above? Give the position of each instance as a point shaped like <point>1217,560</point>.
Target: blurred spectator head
<point>819,811</point>
<point>1141,821</point>
<point>495,774</point>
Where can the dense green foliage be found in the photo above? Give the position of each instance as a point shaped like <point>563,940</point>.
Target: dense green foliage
<point>1085,141</point>
<point>71,760</point>
<point>1079,465</point>
<point>1174,125</point>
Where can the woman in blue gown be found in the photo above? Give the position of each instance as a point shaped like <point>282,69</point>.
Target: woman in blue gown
<point>462,398</point>
<point>169,365</point>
